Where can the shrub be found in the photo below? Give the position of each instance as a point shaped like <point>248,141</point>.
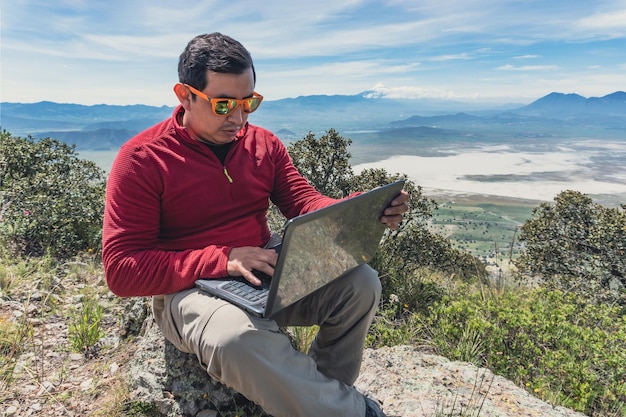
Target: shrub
<point>553,343</point>
<point>394,325</point>
<point>85,327</point>
<point>576,245</point>
<point>50,200</point>
<point>413,246</point>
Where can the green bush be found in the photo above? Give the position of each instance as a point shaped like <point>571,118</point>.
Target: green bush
<point>392,326</point>
<point>413,246</point>
<point>51,201</point>
<point>576,245</point>
<point>558,346</point>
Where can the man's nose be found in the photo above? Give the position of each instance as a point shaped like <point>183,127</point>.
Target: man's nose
<point>237,116</point>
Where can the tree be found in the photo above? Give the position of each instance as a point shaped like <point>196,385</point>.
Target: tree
<point>324,162</point>
<point>576,245</point>
<point>51,201</point>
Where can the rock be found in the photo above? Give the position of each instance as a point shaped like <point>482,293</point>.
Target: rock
<point>86,384</point>
<point>411,383</point>
<point>113,368</point>
<point>47,387</point>
<point>10,410</point>
<point>175,382</point>
<point>135,316</point>
<point>407,382</point>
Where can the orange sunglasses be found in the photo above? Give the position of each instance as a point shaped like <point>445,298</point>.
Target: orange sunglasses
<point>225,106</point>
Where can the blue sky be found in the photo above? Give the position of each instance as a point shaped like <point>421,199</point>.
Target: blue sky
<point>126,52</point>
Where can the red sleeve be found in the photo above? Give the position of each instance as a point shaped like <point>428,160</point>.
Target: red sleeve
<point>133,263</point>
<point>292,192</point>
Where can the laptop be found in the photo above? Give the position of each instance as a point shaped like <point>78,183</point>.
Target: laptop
<point>314,249</point>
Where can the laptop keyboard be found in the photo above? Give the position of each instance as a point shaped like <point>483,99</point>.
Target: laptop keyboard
<point>246,291</point>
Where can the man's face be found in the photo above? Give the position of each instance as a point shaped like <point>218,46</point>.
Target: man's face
<point>199,119</point>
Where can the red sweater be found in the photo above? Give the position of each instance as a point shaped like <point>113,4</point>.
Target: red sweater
<point>173,211</point>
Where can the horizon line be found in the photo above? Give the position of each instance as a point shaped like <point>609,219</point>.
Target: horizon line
<point>368,95</point>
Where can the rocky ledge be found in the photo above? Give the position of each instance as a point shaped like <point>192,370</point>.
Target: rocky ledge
<point>406,381</point>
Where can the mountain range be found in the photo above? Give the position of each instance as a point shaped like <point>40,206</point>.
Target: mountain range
<point>364,116</point>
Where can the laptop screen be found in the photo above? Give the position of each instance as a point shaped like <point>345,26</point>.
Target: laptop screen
<point>326,243</point>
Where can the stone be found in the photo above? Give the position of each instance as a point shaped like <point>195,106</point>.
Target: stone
<point>175,382</point>
<point>11,410</point>
<point>47,387</point>
<point>135,316</point>
<point>86,384</point>
<point>113,368</point>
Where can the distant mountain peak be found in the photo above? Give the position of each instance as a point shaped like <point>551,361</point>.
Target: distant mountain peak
<point>616,97</point>
<point>372,94</point>
<point>554,96</point>
<point>575,105</point>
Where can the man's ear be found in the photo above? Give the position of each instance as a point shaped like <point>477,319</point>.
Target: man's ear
<point>183,94</point>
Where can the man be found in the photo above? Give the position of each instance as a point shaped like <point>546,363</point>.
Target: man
<point>188,198</point>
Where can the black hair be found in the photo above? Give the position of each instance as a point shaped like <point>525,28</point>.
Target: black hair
<point>212,52</point>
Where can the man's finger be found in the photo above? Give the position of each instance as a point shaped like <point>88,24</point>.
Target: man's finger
<point>250,277</point>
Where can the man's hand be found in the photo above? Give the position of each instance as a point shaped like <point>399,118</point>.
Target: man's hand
<point>392,216</point>
<point>241,261</point>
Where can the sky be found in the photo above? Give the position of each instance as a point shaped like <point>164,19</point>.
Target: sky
<point>501,51</point>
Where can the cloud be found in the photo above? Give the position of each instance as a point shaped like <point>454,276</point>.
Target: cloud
<point>441,48</point>
<point>509,67</point>
<point>125,47</point>
<point>450,57</point>
<point>351,77</point>
<point>413,92</point>
<point>611,23</point>
<point>410,92</point>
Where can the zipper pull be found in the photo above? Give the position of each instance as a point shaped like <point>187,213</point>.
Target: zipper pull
<point>230,180</point>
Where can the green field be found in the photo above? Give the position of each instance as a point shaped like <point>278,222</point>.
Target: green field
<point>485,226</point>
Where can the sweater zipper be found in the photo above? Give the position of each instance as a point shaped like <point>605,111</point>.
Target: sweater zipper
<point>228,155</point>
<point>230,180</point>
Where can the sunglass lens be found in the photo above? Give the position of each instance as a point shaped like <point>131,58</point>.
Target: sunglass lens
<point>251,104</point>
<point>224,107</point>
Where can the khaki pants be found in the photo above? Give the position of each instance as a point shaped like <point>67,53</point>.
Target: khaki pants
<point>250,355</point>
